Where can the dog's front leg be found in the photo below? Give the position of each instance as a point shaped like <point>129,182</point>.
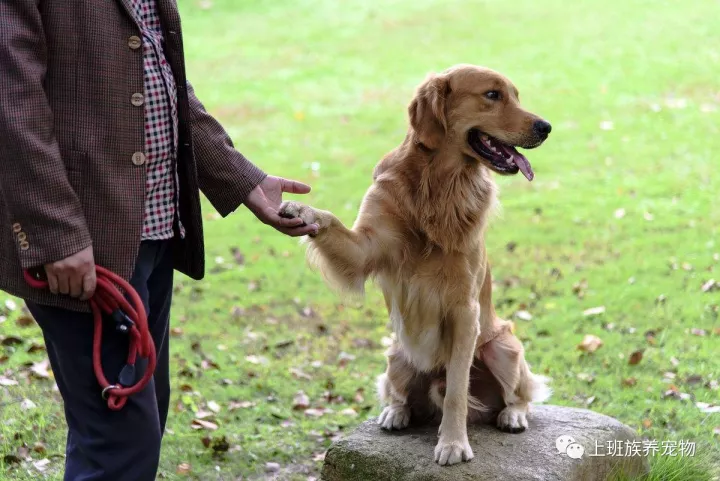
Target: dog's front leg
<point>453,445</point>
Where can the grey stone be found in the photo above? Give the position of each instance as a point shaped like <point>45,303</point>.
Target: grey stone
<point>371,454</point>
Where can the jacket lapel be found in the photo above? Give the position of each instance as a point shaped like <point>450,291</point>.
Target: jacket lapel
<point>126,4</point>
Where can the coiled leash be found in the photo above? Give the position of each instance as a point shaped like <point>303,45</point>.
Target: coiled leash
<point>130,318</point>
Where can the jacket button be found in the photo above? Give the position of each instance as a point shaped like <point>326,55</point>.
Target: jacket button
<point>17,227</point>
<point>138,158</point>
<point>137,99</point>
<point>22,236</point>
<point>134,42</point>
<point>24,245</point>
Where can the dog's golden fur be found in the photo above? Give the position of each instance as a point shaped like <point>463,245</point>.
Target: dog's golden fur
<point>420,233</point>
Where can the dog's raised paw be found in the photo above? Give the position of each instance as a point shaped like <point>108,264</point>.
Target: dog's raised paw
<point>512,420</point>
<point>448,453</point>
<point>394,416</point>
<point>291,210</point>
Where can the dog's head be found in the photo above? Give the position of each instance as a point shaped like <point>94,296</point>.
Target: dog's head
<point>478,111</point>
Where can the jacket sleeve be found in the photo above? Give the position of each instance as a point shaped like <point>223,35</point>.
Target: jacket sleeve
<point>45,214</point>
<point>225,176</point>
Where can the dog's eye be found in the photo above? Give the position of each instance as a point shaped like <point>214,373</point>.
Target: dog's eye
<point>492,95</point>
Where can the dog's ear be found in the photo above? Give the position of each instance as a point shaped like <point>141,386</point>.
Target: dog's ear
<point>427,110</point>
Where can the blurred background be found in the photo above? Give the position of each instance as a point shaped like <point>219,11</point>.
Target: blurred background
<point>607,262</point>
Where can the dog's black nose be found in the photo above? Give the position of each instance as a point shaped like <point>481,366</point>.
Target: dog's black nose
<point>542,128</point>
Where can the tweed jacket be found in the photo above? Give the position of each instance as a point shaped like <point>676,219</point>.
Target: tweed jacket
<point>72,167</point>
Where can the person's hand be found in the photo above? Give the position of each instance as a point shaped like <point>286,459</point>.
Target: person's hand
<point>264,201</point>
<point>74,275</point>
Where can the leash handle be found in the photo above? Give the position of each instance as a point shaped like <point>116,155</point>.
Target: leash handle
<point>110,301</point>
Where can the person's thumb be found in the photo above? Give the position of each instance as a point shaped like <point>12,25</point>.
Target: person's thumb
<point>294,187</point>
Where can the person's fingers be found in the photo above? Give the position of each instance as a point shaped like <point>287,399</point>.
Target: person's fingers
<point>294,187</point>
<point>89,283</point>
<point>76,285</point>
<point>310,230</point>
<point>52,281</point>
<point>284,222</point>
<point>63,282</point>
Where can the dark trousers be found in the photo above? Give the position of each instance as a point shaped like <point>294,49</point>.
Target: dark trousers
<point>103,444</point>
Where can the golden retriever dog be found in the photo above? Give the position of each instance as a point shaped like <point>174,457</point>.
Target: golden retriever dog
<point>420,233</point>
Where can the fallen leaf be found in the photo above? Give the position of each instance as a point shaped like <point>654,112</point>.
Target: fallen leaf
<point>176,331</point>
<point>11,341</point>
<point>272,467</point>
<point>710,285</point>
<point>213,406</point>
<point>183,469</point>
<point>607,125</point>
<point>39,448</point>
<point>27,405</point>
<point>620,213</point>
<point>25,321</point>
<point>716,431</point>
<point>588,378</point>
<point>41,369</point>
<point>298,373</point>
<point>11,459</point>
<point>590,343</point>
<point>10,305</point>
<point>315,413</point>
<point>589,400</point>
<point>238,256</point>
<point>206,441</point>
<point>708,408</point>
<point>635,358</point>
<point>344,358</point>
<point>629,382</point>
<point>647,424</point>
<point>350,412</point>
<point>234,405</point>
<point>301,401</point>
<point>202,424</point>
<point>648,216</point>
<point>220,445</point>
<point>523,315</point>
<point>693,379</point>
<point>594,311</point>
<point>674,361</point>
<point>4,381</point>
<point>253,359</point>
<point>698,332</point>
<point>35,348</point>
<point>359,395</point>
<point>42,464</point>
<point>319,457</point>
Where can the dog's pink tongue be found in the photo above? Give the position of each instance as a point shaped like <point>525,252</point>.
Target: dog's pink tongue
<point>524,166</point>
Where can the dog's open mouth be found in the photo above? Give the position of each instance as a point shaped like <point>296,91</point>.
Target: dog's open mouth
<point>503,158</point>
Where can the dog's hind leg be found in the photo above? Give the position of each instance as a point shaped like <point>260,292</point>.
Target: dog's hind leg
<point>505,358</point>
<point>394,389</point>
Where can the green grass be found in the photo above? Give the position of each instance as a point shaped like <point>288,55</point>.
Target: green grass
<point>302,82</point>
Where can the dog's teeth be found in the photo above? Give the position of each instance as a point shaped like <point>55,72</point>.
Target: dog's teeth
<point>485,137</point>
<point>509,160</point>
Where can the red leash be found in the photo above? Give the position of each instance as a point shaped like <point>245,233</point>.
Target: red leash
<point>131,319</point>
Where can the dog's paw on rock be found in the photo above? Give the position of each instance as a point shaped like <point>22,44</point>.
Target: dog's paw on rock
<point>448,453</point>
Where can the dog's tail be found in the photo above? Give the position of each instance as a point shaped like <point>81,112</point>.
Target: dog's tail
<point>437,396</point>
<point>537,387</point>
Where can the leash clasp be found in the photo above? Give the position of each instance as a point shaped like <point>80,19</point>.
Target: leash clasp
<point>105,392</point>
